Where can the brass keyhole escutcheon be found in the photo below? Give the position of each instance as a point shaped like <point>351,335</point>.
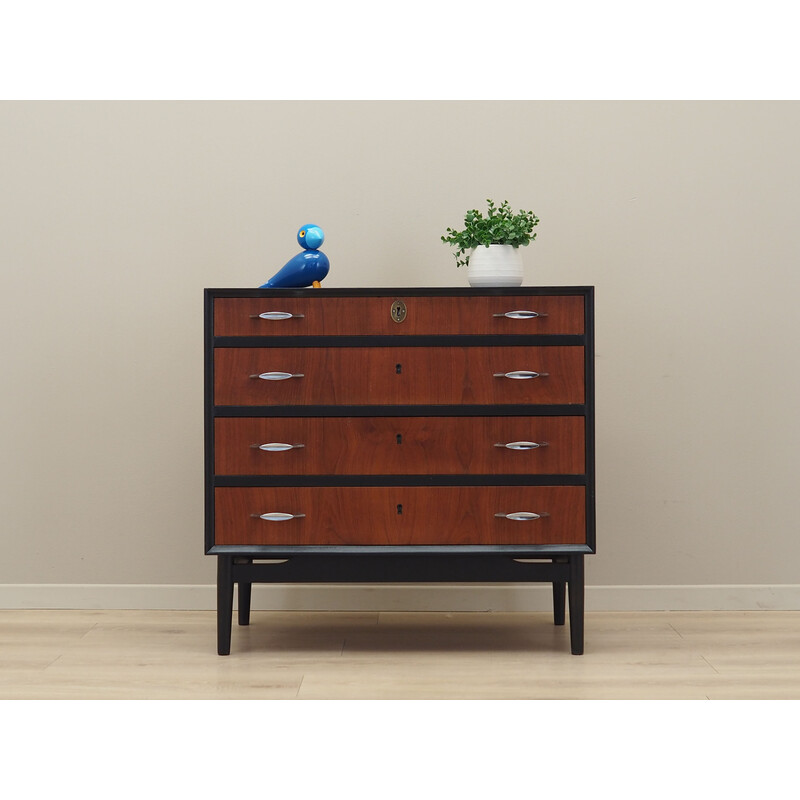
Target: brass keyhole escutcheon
<point>399,311</point>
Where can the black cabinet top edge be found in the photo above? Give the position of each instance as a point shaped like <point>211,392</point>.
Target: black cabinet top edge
<point>416,291</point>
<point>288,551</point>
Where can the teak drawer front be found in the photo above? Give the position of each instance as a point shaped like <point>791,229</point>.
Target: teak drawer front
<point>399,445</point>
<point>436,316</point>
<point>398,376</point>
<point>400,515</point>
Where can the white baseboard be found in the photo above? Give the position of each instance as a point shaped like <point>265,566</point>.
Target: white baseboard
<point>402,597</point>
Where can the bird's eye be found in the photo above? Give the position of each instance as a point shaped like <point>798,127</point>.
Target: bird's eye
<point>302,233</point>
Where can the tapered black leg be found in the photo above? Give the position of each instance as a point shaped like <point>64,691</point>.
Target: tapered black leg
<point>559,602</point>
<point>224,604</point>
<point>575,588</point>
<point>245,590</point>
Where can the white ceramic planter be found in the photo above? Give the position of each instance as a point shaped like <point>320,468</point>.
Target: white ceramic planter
<point>495,265</point>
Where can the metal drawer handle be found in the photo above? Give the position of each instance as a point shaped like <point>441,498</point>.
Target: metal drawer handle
<point>521,374</point>
<point>278,376</point>
<point>520,314</point>
<point>276,447</point>
<point>523,516</point>
<point>277,516</point>
<point>522,445</point>
<point>277,315</point>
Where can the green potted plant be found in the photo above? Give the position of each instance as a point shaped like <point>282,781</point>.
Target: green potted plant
<point>489,245</point>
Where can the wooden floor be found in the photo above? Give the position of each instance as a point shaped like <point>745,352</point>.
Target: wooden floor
<point>389,655</point>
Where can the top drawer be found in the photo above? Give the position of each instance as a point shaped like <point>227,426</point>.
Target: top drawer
<point>422,316</point>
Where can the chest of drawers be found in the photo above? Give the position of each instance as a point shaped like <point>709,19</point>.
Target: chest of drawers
<point>423,435</point>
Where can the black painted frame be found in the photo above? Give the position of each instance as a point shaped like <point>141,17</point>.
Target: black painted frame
<point>561,565</point>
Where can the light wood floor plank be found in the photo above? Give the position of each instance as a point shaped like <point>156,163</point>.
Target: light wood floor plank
<point>102,654</point>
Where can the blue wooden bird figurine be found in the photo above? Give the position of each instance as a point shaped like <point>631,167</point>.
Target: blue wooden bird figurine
<point>307,268</point>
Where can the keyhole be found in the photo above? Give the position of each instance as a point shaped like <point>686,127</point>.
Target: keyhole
<point>399,508</point>
<point>399,438</point>
<point>398,368</point>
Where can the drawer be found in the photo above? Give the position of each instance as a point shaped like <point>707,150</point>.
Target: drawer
<point>400,515</point>
<point>397,376</point>
<point>435,316</point>
<point>399,445</point>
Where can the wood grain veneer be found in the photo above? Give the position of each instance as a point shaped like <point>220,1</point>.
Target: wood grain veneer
<point>338,316</point>
<point>400,515</point>
<point>398,375</point>
<point>399,445</point>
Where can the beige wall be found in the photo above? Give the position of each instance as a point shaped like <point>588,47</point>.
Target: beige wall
<point>115,216</point>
